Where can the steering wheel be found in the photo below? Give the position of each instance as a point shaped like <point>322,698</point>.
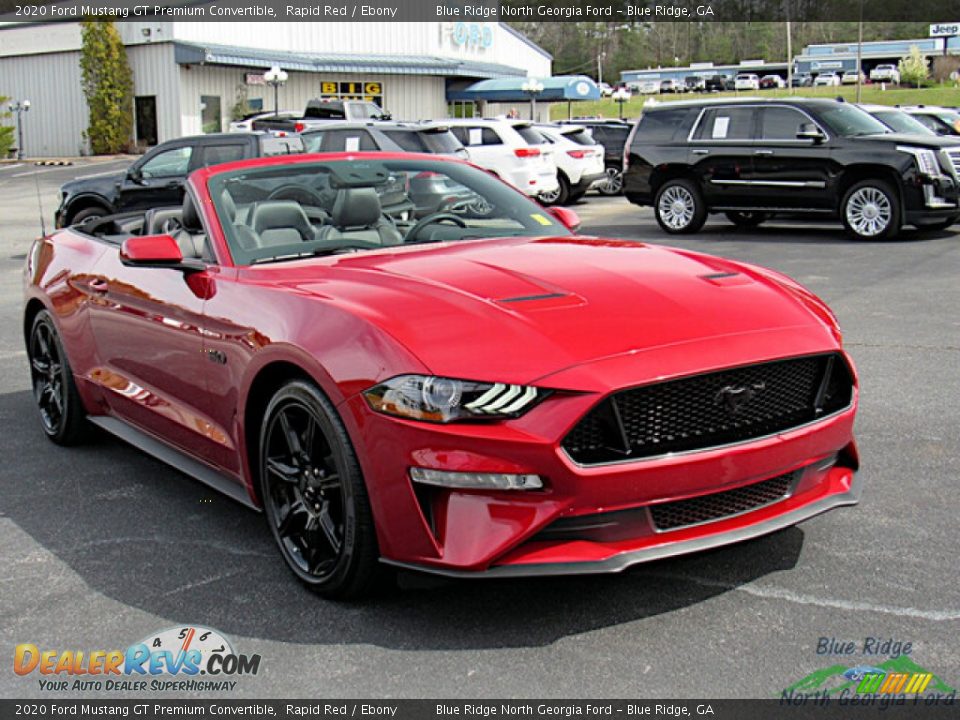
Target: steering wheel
<point>297,193</point>
<point>437,217</point>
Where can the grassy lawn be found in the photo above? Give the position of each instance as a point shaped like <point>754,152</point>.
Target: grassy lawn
<point>940,95</point>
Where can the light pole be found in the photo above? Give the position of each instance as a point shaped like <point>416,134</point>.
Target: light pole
<point>532,87</point>
<point>20,107</point>
<point>275,77</point>
<point>621,96</point>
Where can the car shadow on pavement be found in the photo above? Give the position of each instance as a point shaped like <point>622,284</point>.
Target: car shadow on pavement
<point>145,536</point>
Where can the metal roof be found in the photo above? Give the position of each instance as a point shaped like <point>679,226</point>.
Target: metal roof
<point>561,87</point>
<point>193,54</point>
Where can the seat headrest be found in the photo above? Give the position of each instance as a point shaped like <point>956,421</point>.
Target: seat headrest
<point>356,207</point>
<point>190,217</point>
<point>229,206</point>
<point>278,214</point>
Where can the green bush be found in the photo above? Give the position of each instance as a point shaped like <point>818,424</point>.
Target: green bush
<point>108,87</point>
<point>7,133</point>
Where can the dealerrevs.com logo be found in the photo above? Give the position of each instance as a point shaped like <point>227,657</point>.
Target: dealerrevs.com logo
<point>179,659</point>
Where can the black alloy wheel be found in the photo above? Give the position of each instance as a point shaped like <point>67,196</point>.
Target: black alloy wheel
<point>314,495</point>
<point>62,415</point>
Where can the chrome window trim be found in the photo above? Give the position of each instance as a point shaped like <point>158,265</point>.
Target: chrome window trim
<point>696,124</point>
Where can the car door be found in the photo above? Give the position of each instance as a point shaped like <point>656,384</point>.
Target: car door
<point>721,154</point>
<point>149,328</point>
<point>156,180</point>
<point>789,172</point>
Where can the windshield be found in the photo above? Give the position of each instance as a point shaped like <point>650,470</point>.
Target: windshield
<point>295,210</point>
<point>899,121</point>
<point>850,121</point>
<point>950,118</point>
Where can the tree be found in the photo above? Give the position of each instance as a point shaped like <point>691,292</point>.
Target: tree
<point>913,68</point>
<point>6,131</point>
<point>108,87</point>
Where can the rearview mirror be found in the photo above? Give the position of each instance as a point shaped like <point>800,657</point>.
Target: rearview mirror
<point>567,217</point>
<point>156,251</point>
<point>809,131</point>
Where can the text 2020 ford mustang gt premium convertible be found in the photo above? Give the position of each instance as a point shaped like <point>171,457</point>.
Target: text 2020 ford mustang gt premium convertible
<point>479,392</point>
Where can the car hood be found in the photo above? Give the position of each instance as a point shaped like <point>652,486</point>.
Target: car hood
<point>933,142</point>
<point>519,309</point>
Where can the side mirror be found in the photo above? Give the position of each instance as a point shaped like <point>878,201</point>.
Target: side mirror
<point>567,217</point>
<point>134,175</point>
<point>809,131</point>
<point>157,251</point>
<point>386,116</point>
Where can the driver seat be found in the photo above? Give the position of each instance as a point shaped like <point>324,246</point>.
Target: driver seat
<point>357,215</point>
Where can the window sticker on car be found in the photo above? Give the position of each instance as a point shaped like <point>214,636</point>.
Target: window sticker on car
<point>720,127</point>
<point>353,144</point>
<point>542,219</point>
<point>476,136</point>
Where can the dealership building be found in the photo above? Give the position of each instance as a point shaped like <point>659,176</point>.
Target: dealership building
<point>193,77</point>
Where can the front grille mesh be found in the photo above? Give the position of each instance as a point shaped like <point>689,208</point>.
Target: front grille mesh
<point>683,513</point>
<point>953,156</point>
<point>713,409</point>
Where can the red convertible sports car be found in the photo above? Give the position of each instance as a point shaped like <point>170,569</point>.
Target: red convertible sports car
<point>477,392</point>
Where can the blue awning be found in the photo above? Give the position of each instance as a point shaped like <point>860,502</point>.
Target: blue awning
<point>191,54</point>
<point>561,87</point>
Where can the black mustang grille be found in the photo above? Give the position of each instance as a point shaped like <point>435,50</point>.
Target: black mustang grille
<point>673,515</point>
<point>704,411</point>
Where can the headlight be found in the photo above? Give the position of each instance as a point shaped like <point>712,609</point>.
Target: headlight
<point>926,159</point>
<point>442,400</point>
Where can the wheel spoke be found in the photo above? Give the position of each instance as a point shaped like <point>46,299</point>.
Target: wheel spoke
<point>40,365</point>
<point>284,471</point>
<point>295,517</point>
<point>293,440</point>
<point>329,528</point>
<point>309,433</point>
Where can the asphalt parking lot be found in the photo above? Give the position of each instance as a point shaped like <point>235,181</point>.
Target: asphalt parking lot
<point>100,546</point>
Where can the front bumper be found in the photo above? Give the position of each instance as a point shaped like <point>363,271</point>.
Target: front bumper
<point>847,487</point>
<point>507,533</point>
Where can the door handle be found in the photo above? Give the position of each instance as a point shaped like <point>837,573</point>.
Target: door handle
<point>701,151</point>
<point>99,286</point>
<point>763,152</point>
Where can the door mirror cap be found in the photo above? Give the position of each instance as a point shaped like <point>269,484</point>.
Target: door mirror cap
<point>809,131</point>
<point>567,217</point>
<point>157,251</point>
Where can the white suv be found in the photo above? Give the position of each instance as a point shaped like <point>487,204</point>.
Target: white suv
<point>885,73</point>
<point>746,81</point>
<point>579,160</point>
<point>512,150</point>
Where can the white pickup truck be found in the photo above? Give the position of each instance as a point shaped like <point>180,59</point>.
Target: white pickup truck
<point>885,73</point>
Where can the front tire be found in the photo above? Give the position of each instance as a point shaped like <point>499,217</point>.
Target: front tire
<point>871,210</point>
<point>746,218</point>
<point>94,212</point>
<point>314,496</point>
<point>679,207</point>
<point>62,414</point>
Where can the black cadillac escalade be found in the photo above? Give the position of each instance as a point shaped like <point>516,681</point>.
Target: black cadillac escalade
<point>750,158</point>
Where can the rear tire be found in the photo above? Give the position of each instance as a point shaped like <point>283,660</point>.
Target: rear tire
<point>871,210</point>
<point>679,207</point>
<point>746,218</point>
<point>314,496</point>
<point>62,414</point>
<point>561,195</point>
<point>613,185</point>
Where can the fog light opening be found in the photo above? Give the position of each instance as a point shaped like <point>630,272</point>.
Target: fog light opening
<point>475,481</point>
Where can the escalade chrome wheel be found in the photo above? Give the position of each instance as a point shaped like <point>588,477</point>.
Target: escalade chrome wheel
<point>679,207</point>
<point>871,211</point>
